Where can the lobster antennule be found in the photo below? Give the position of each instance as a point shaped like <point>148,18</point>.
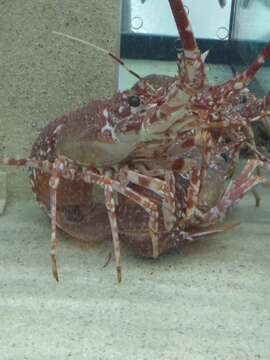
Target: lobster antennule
<point>11,161</point>
<point>112,55</point>
<point>189,43</point>
<point>107,52</point>
<point>34,163</point>
<point>44,165</point>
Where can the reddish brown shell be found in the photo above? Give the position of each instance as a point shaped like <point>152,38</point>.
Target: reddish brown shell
<point>133,220</point>
<point>80,212</point>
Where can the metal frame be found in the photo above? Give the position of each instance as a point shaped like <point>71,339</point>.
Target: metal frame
<point>161,47</point>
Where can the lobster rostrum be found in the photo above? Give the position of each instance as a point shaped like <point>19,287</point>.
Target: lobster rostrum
<point>139,144</point>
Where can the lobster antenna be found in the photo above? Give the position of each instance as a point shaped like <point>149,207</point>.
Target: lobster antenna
<point>188,40</point>
<point>243,79</point>
<point>112,55</point>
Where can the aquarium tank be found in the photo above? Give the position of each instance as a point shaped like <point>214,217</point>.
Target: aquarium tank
<point>134,180</point>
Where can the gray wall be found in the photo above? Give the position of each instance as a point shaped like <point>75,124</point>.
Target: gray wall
<point>42,75</point>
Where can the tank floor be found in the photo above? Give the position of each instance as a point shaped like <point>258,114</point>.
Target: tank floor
<point>209,300</point>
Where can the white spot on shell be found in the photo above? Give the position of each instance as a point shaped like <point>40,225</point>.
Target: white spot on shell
<point>215,214</point>
<point>196,64</point>
<point>135,110</point>
<point>108,128</point>
<point>238,85</point>
<point>5,161</point>
<point>62,167</point>
<point>58,128</point>
<point>121,109</point>
<point>34,174</point>
<point>105,113</point>
<point>261,60</point>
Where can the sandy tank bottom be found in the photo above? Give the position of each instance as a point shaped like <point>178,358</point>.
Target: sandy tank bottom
<point>206,301</point>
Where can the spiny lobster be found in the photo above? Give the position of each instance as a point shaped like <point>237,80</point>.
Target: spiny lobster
<point>158,147</point>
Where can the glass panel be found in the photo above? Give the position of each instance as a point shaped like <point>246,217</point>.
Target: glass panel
<point>208,18</point>
<point>250,32</point>
<point>252,18</point>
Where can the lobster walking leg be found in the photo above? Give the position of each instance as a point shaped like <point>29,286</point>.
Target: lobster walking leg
<point>149,206</point>
<point>110,205</point>
<point>236,190</point>
<point>53,183</point>
<point>193,192</point>
<point>63,168</point>
<point>162,188</point>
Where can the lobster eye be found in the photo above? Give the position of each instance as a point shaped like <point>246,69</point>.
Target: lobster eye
<point>134,100</point>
